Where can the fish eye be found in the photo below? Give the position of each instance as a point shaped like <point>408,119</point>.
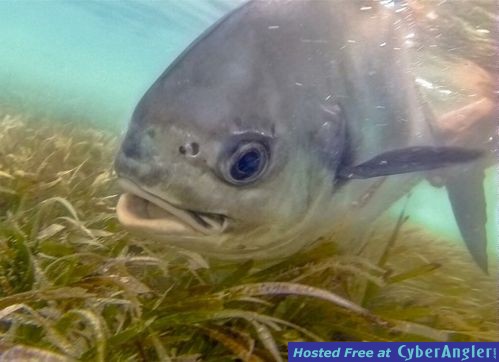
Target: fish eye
<point>246,164</point>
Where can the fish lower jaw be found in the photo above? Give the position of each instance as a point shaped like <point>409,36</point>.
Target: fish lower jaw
<point>140,211</point>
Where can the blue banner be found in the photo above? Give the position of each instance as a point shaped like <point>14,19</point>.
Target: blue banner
<point>393,351</point>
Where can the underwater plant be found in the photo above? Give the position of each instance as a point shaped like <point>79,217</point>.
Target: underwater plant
<point>75,286</point>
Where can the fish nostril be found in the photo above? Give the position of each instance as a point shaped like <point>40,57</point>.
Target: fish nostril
<point>189,149</point>
<point>194,148</point>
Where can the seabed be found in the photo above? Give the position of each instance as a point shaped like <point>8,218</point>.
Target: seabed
<point>75,286</point>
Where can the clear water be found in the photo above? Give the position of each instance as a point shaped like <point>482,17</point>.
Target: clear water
<point>94,59</point>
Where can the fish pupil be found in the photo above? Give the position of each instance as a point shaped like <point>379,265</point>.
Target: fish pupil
<point>247,165</point>
<point>245,162</point>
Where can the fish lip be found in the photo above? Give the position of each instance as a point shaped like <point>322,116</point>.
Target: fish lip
<point>133,212</point>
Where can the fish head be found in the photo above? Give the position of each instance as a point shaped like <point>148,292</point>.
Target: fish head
<point>221,154</point>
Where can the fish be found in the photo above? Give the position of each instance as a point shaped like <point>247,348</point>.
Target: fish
<point>283,121</point>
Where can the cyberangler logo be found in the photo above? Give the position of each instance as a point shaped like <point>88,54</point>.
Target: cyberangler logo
<point>446,351</point>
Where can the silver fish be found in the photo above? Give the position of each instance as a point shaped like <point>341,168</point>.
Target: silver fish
<point>282,122</point>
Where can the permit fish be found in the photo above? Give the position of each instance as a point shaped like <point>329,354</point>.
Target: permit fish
<point>283,121</point>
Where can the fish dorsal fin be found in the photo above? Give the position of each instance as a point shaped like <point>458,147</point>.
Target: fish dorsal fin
<point>410,159</point>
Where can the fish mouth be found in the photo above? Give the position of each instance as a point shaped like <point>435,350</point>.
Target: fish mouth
<point>140,210</point>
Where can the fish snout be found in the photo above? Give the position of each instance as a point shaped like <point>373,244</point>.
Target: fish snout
<point>138,144</point>
<point>136,160</point>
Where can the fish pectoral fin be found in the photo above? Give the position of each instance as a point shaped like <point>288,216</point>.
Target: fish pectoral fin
<point>466,194</point>
<point>406,160</point>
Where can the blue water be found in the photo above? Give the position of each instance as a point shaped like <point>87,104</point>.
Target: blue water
<point>92,60</point>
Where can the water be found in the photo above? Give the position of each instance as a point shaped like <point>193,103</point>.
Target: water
<point>91,61</point>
